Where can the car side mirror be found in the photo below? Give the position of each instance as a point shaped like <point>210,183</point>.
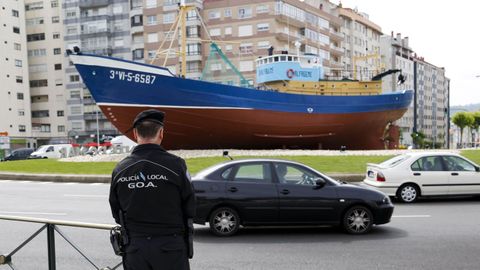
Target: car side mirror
<point>477,168</point>
<point>319,183</point>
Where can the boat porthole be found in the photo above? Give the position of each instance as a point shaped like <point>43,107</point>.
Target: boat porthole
<point>309,110</point>
<point>94,73</point>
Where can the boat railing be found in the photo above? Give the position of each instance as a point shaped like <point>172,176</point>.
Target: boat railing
<point>52,226</point>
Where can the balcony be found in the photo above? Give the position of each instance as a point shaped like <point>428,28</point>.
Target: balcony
<point>336,50</point>
<point>93,3</point>
<point>338,36</point>
<point>136,29</point>
<point>285,36</point>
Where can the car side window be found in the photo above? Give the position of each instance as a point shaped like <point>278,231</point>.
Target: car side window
<point>253,173</point>
<point>50,149</point>
<point>289,174</point>
<point>433,163</point>
<point>226,173</point>
<point>458,164</point>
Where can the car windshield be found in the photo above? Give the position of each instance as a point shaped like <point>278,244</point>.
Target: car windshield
<point>394,161</point>
<point>42,148</point>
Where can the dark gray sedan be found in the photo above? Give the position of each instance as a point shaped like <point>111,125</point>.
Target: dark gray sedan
<point>254,192</point>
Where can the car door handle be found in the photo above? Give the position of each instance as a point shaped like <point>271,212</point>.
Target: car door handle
<point>417,174</point>
<point>233,189</point>
<point>455,173</point>
<point>285,191</point>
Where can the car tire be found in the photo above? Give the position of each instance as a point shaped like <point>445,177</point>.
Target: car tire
<point>224,221</point>
<point>408,193</point>
<point>358,220</point>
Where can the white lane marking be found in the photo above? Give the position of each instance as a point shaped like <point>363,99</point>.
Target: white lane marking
<point>33,213</point>
<point>85,196</point>
<point>412,216</point>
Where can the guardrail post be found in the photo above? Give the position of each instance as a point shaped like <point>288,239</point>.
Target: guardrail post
<point>51,246</point>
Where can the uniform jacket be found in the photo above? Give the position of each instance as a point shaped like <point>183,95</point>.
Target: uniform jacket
<point>153,190</point>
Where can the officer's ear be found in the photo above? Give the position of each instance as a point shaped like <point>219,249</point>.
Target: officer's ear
<point>135,135</point>
<point>160,135</point>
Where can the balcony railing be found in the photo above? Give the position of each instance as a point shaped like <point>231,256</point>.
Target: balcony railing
<point>93,3</point>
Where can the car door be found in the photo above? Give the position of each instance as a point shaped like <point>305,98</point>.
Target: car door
<point>431,175</point>
<point>463,176</point>
<point>300,201</point>
<point>251,190</point>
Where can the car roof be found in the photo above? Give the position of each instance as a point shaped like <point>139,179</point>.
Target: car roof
<point>431,153</point>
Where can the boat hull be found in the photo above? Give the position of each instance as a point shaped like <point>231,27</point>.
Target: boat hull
<point>259,129</point>
<point>204,115</point>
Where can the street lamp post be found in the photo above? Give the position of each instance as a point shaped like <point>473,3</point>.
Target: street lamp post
<point>98,130</point>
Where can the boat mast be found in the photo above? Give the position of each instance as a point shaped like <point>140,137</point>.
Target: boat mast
<point>184,9</point>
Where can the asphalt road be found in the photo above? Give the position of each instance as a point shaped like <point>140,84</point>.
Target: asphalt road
<point>432,234</point>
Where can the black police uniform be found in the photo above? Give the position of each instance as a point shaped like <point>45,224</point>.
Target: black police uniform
<point>152,189</point>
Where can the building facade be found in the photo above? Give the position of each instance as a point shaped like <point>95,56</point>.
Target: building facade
<point>361,44</point>
<point>100,27</point>
<point>396,54</point>
<point>245,30</point>
<point>14,93</point>
<point>44,31</point>
<point>432,103</point>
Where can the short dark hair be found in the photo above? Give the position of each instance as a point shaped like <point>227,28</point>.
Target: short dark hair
<point>148,129</point>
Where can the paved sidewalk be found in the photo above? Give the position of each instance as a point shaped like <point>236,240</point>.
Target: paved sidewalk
<point>100,178</point>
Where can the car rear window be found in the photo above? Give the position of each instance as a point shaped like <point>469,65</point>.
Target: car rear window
<point>394,161</point>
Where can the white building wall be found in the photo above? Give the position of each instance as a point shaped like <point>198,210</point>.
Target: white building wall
<point>14,91</point>
<point>45,62</point>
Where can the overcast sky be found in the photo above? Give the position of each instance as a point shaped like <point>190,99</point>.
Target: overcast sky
<point>445,33</point>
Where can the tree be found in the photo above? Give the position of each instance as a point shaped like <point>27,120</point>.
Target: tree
<point>462,120</point>
<point>476,122</point>
<point>418,139</point>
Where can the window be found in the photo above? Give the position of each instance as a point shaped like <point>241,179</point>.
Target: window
<point>57,66</point>
<point>58,82</point>
<point>38,83</point>
<point>263,44</point>
<point>194,49</point>
<point>74,78</point>
<point>227,13</point>
<point>54,3</point>
<point>16,30</point>
<point>36,37</point>
<point>20,96</point>
<point>137,20</point>
<point>137,54</point>
<point>74,94</point>
<point>55,19</point>
<point>19,79</point>
<point>36,68</point>
<point>34,6</point>
<point>71,14</point>
<point>246,66</point>
<point>244,13</point>
<point>57,51</point>
<point>21,112</point>
<point>262,9</point>
<point>151,4</point>
<point>152,37</point>
<point>21,128</point>
<point>34,21</point>
<point>246,48</point>
<point>76,110</point>
<point>428,164</point>
<point>245,30</point>
<point>40,114</point>
<point>56,35</point>
<point>263,27</point>
<point>18,63</point>
<point>17,46</point>
<point>60,113</point>
<point>290,174</point>
<point>253,173</point>
<point>215,32</point>
<point>61,128</point>
<point>15,13</point>
<point>214,14</point>
<point>228,30</point>
<point>152,20</point>
<point>151,54</point>
<point>45,128</point>
<point>168,18</point>
<point>37,52</point>
<point>71,30</point>
<point>228,48</point>
<point>458,164</point>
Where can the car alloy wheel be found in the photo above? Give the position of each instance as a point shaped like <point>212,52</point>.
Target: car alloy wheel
<point>358,220</point>
<point>224,221</point>
<point>407,193</point>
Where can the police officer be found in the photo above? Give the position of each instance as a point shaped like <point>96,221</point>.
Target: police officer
<point>151,194</point>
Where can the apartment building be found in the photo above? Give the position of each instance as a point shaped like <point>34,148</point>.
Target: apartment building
<point>361,44</point>
<point>397,54</point>
<point>44,31</point>
<point>15,92</point>
<point>246,29</point>
<point>100,27</point>
<point>432,102</point>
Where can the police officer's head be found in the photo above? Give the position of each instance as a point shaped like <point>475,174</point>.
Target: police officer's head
<point>148,127</point>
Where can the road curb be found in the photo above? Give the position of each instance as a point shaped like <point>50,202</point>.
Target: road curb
<point>101,178</point>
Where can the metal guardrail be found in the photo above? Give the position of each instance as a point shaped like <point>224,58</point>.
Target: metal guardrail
<point>52,226</point>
